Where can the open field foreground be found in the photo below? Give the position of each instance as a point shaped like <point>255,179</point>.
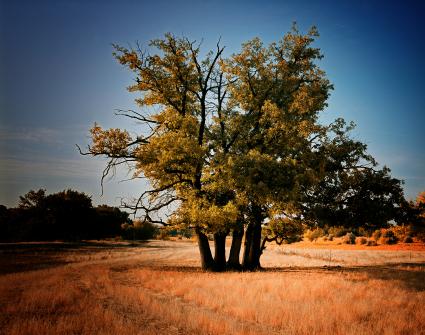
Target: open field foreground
<point>157,288</point>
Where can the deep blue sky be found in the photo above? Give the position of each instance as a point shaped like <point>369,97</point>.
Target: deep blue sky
<point>57,76</point>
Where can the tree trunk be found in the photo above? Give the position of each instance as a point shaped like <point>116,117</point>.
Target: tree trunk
<point>220,251</point>
<point>207,262</point>
<point>235,250</point>
<point>247,245</point>
<point>255,250</point>
<point>252,252</point>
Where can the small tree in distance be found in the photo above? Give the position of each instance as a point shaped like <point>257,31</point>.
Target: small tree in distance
<point>417,211</point>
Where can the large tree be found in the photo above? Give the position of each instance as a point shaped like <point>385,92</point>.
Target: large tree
<point>229,145</point>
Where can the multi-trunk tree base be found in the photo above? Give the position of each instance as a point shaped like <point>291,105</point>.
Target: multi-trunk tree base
<point>251,255</point>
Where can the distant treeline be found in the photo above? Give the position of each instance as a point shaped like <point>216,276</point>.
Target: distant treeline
<point>67,215</point>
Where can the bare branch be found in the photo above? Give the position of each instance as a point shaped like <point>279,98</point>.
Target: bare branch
<point>134,115</point>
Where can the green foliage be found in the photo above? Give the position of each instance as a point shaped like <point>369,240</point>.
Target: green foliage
<point>283,230</point>
<point>355,197</point>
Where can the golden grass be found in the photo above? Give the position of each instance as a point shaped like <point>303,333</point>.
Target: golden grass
<point>156,288</point>
<point>338,244</point>
<point>295,302</point>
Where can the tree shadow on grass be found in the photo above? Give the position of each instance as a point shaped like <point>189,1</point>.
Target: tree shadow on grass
<point>21,257</point>
<point>71,246</point>
<point>410,275</point>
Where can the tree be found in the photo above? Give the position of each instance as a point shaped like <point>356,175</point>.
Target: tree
<point>352,191</point>
<point>108,222</point>
<point>66,215</point>
<point>69,215</point>
<point>32,199</point>
<point>233,145</point>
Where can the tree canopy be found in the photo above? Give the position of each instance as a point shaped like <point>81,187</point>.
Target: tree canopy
<point>233,145</point>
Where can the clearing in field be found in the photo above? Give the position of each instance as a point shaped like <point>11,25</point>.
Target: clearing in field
<point>157,287</point>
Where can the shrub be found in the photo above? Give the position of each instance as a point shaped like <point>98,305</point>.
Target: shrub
<point>421,236</point>
<point>186,233</point>
<point>163,235</point>
<point>349,238</point>
<point>401,232</point>
<point>363,232</point>
<point>371,243</point>
<point>308,234</point>
<point>337,231</point>
<point>330,237</point>
<point>388,237</point>
<point>408,239</point>
<point>361,240</point>
<point>139,230</point>
<point>313,235</point>
<point>376,235</point>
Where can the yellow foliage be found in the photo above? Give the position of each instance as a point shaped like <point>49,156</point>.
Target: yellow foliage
<point>199,212</point>
<point>113,141</point>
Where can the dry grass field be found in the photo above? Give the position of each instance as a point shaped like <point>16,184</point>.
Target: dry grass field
<point>156,287</point>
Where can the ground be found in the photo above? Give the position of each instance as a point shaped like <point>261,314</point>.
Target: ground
<point>156,287</point>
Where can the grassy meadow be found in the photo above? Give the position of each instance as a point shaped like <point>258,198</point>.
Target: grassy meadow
<point>156,287</point>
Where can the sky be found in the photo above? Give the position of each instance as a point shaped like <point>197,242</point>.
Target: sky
<point>58,77</point>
